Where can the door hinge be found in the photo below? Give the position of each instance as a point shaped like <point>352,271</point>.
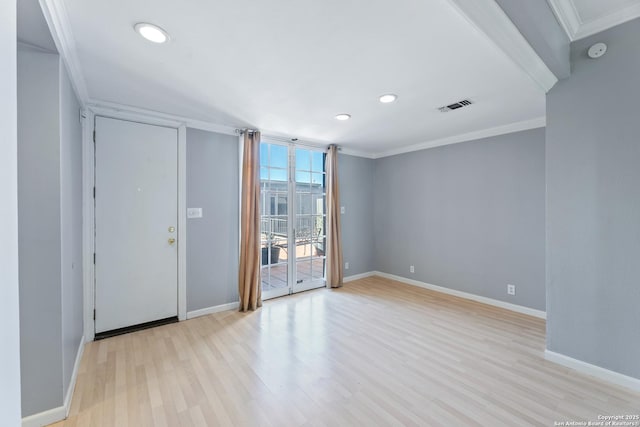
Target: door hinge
<point>94,135</point>
<point>94,314</point>
<point>94,257</point>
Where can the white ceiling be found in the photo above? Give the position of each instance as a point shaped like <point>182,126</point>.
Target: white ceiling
<point>288,67</point>
<point>582,18</point>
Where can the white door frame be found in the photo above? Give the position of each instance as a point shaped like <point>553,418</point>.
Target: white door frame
<point>88,207</point>
<point>290,208</point>
<point>295,286</point>
<point>292,285</point>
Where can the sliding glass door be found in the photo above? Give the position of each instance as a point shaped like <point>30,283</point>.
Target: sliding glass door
<point>292,190</point>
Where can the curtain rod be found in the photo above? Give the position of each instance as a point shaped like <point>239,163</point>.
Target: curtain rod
<point>243,131</point>
<point>288,140</point>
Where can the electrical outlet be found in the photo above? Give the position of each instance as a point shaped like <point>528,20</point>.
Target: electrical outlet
<point>342,210</point>
<point>412,269</point>
<point>511,289</point>
<point>346,265</point>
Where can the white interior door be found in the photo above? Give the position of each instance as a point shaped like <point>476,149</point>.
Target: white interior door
<point>136,205</point>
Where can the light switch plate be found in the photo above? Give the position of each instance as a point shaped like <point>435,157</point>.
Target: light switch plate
<point>342,209</point>
<point>194,212</point>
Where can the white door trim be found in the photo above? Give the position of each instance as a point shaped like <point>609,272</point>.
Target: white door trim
<point>88,208</point>
<point>182,222</point>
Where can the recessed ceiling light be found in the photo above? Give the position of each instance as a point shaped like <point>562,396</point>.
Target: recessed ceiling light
<point>390,97</point>
<point>343,117</point>
<point>151,32</point>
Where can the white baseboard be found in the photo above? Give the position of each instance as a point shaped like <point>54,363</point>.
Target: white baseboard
<point>497,303</point>
<point>45,418</point>
<point>214,309</point>
<point>593,370</point>
<point>358,276</point>
<point>74,377</point>
<point>61,412</point>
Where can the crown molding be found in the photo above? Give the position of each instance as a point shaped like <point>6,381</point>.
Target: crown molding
<point>470,136</point>
<point>490,20</point>
<point>604,23</point>
<point>576,28</point>
<point>106,108</point>
<point>58,21</point>
<point>111,109</point>
<point>567,14</point>
<point>357,153</point>
<point>137,113</point>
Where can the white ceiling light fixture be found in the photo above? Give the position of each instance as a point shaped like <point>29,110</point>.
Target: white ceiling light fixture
<point>388,98</point>
<point>343,117</point>
<point>151,32</point>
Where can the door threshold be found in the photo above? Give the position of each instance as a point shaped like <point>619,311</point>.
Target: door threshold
<point>135,328</point>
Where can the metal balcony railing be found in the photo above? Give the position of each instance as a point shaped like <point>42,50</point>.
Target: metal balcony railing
<point>307,227</point>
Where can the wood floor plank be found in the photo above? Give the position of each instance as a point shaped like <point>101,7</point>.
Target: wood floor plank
<point>374,353</point>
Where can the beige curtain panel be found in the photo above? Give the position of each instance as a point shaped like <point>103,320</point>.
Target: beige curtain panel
<point>249,287</point>
<point>334,236</point>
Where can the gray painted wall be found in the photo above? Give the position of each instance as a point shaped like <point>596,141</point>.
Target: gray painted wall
<point>356,175</point>
<point>468,216</point>
<point>538,24</point>
<point>9,304</point>
<point>32,27</point>
<point>593,205</point>
<point>50,228</point>
<point>212,241</point>
<point>71,224</point>
<point>39,230</point>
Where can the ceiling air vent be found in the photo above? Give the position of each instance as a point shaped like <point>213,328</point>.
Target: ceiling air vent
<point>455,105</point>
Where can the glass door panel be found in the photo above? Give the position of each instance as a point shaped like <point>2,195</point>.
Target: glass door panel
<point>310,219</point>
<point>274,220</point>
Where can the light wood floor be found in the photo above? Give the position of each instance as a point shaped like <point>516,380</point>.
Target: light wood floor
<point>375,352</point>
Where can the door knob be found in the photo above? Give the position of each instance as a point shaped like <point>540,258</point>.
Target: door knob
<point>172,240</point>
